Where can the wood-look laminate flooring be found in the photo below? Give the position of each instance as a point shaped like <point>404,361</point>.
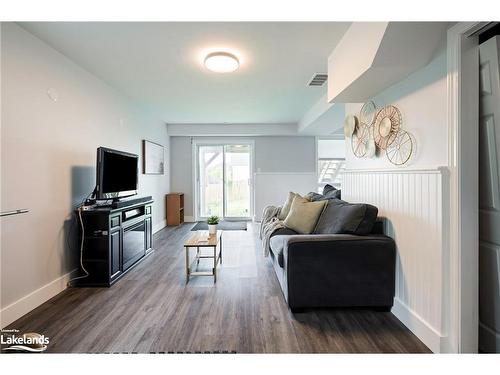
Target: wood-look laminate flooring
<point>152,309</point>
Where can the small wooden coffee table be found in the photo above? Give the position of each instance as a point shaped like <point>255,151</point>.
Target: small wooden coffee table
<point>201,239</point>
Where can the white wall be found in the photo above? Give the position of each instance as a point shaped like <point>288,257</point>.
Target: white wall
<point>413,198</point>
<point>48,162</point>
<point>272,155</point>
<point>331,148</point>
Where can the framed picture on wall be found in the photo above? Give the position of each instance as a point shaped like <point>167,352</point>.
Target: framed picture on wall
<point>153,156</point>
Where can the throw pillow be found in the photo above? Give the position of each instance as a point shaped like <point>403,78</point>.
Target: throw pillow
<point>340,217</point>
<point>320,197</point>
<point>328,188</point>
<point>286,206</point>
<point>313,197</point>
<point>304,215</point>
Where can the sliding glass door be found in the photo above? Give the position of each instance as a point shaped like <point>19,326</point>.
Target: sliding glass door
<point>223,183</point>
<point>211,180</point>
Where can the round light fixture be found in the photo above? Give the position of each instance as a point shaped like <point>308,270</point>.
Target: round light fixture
<point>221,62</point>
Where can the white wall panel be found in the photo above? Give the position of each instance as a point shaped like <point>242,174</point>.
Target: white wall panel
<point>412,201</point>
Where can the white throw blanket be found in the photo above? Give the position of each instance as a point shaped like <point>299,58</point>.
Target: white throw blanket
<point>268,225</point>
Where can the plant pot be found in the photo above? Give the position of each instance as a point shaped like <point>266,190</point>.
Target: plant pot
<point>212,229</point>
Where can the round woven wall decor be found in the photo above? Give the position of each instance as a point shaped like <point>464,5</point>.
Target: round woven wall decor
<point>387,122</point>
<point>371,148</point>
<point>359,140</point>
<point>367,113</point>
<point>400,147</point>
<point>350,124</point>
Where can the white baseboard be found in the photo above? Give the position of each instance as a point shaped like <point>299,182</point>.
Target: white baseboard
<point>423,330</point>
<point>31,301</point>
<point>159,226</point>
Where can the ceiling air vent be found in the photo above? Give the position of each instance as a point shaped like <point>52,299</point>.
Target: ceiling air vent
<point>318,79</point>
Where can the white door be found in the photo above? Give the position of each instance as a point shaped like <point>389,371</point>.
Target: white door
<point>489,197</point>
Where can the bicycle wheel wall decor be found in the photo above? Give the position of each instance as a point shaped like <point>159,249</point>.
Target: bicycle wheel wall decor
<point>400,148</point>
<point>379,129</point>
<point>359,140</point>
<point>387,122</point>
<point>367,113</point>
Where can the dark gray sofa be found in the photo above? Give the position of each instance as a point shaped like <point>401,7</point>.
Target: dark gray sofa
<point>335,270</point>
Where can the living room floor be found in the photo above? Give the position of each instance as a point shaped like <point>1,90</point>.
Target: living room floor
<point>151,309</point>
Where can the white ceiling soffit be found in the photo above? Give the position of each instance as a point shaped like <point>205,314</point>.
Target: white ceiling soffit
<point>323,118</point>
<point>160,64</point>
<point>241,130</point>
<point>373,56</point>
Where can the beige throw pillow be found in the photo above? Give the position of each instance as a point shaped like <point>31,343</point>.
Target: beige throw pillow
<point>286,207</point>
<point>304,215</point>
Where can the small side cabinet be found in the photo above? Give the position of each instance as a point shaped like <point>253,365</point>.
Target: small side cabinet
<point>175,209</point>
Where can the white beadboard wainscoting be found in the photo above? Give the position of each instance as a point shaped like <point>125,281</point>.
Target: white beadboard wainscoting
<point>416,209</point>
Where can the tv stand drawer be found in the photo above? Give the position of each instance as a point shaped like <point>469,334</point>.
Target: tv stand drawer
<point>130,214</point>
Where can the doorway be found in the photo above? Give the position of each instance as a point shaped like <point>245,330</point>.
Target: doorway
<point>223,180</point>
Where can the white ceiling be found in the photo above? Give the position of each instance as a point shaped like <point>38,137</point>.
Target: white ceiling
<point>160,65</point>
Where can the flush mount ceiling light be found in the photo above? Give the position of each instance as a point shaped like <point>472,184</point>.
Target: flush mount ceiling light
<point>221,62</point>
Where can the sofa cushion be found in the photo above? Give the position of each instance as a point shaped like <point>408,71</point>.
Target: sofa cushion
<point>340,217</point>
<point>276,243</point>
<point>283,232</point>
<point>304,215</point>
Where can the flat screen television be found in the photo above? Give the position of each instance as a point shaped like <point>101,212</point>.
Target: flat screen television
<point>117,174</point>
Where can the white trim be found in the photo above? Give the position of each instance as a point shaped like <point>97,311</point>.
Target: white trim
<point>438,170</point>
<point>159,226</point>
<point>284,173</point>
<point>462,273</point>
<point>34,299</point>
<point>221,141</point>
<point>418,326</point>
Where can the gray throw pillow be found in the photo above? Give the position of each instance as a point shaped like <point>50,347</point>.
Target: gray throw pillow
<point>333,194</point>
<point>328,189</point>
<point>340,217</point>
<point>320,197</point>
<point>313,197</point>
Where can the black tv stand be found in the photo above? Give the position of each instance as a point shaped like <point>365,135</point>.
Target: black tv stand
<point>115,240</point>
<point>128,202</point>
<point>121,203</point>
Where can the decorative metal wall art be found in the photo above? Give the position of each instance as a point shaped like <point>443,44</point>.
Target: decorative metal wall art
<point>400,147</point>
<point>360,139</point>
<point>371,148</point>
<point>367,113</point>
<point>379,129</point>
<point>387,122</point>
<point>350,123</point>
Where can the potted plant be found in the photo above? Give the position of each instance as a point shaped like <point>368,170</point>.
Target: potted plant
<point>212,222</point>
